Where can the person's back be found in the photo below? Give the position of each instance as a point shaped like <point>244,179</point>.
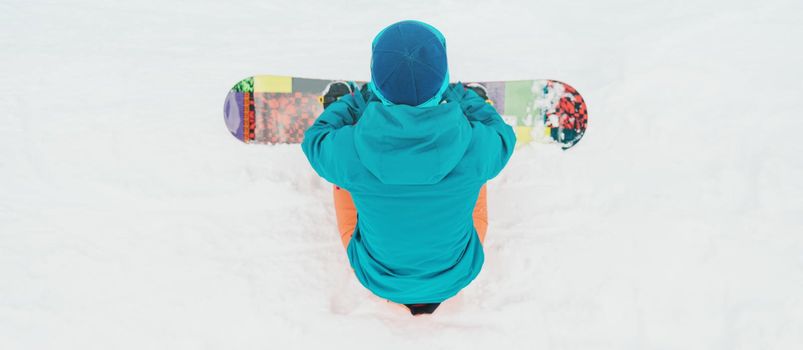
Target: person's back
<point>413,152</point>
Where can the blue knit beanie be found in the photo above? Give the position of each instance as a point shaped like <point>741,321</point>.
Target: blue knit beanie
<point>408,64</point>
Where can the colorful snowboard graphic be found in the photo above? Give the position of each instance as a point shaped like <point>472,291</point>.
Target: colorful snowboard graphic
<point>269,109</point>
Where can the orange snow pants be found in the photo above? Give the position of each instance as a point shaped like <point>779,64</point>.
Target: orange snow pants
<point>347,214</point>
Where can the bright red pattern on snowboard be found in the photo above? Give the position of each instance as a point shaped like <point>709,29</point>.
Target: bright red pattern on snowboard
<point>571,110</point>
<point>283,117</point>
<point>248,117</point>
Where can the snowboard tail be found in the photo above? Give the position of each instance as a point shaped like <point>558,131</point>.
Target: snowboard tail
<point>270,109</point>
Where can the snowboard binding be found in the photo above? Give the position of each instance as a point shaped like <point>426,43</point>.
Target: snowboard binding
<point>334,91</point>
<point>481,91</point>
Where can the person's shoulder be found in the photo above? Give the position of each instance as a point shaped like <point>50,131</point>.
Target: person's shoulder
<point>481,134</point>
<point>343,139</point>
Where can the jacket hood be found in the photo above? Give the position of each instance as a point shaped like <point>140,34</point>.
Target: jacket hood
<point>405,145</point>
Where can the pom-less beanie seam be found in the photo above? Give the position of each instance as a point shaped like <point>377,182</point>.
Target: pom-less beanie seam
<point>396,68</point>
<point>412,76</point>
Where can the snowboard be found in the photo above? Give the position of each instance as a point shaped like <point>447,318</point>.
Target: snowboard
<point>272,109</point>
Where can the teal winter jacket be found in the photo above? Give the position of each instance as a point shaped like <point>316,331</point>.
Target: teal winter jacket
<point>414,174</point>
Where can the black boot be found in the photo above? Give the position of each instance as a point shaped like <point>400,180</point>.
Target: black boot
<point>417,309</point>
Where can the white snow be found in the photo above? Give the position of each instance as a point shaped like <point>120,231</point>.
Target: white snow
<point>131,219</point>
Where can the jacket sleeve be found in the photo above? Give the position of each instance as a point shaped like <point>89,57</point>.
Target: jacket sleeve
<point>322,138</point>
<point>497,137</point>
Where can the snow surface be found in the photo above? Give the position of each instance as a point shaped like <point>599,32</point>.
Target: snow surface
<point>131,219</point>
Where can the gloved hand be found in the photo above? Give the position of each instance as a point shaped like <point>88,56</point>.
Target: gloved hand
<point>456,92</point>
<point>474,106</point>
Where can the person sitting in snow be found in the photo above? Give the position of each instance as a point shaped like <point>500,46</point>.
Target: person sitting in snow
<point>409,156</point>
